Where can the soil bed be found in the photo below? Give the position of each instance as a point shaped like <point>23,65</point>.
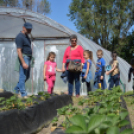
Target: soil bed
<point>116,112</point>
<point>32,118</point>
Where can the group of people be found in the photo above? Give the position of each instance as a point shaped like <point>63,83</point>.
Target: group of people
<point>74,53</point>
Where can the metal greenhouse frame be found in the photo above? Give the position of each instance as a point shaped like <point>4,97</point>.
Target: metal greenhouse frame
<point>47,35</point>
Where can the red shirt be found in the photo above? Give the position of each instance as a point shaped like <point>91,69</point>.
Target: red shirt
<point>73,54</point>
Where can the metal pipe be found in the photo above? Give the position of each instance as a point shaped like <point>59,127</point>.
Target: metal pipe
<point>41,38</point>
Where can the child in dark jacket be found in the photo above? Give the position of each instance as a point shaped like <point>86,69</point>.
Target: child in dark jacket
<point>131,70</point>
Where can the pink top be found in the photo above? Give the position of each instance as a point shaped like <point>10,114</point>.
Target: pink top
<point>73,54</point>
<point>51,68</point>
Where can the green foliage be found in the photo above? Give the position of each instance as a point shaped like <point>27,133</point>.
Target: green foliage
<point>107,117</point>
<point>54,121</point>
<point>43,95</point>
<point>12,3</point>
<point>127,50</point>
<point>41,6</point>
<point>20,103</point>
<point>105,22</point>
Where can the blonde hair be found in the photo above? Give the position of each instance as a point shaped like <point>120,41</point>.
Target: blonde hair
<point>90,54</point>
<point>50,54</point>
<point>99,51</point>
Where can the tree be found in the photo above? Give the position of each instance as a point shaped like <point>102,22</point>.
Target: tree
<point>105,22</point>
<point>127,50</point>
<point>12,3</point>
<point>41,6</point>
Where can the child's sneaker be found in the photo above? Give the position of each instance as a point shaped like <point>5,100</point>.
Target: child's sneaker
<point>25,97</point>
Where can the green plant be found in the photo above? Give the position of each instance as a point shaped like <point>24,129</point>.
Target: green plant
<point>54,121</point>
<point>43,95</point>
<point>106,118</point>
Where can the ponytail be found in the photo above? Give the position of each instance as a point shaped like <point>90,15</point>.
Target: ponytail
<point>90,54</point>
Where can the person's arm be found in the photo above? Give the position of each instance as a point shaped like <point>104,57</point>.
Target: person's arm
<point>58,70</point>
<point>88,65</point>
<point>19,43</point>
<point>110,71</point>
<point>81,55</point>
<point>64,60</point>
<point>63,67</point>
<point>25,66</point>
<point>103,69</point>
<point>113,68</point>
<point>44,71</point>
<point>129,75</point>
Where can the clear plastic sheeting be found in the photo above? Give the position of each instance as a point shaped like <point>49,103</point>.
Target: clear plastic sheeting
<point>9,77</point>
<point>11,21</point>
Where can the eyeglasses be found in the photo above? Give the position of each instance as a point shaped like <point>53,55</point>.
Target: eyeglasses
<point>73,40</point>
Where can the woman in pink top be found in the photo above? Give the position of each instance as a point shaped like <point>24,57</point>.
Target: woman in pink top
<point>73,52</point>
<point>50,68</point>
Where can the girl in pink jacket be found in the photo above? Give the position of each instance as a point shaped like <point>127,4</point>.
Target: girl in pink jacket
<point>50,68</point>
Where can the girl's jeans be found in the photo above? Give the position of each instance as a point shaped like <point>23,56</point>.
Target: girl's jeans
<point>24,75</point>
<point>50,79</point>
<point>71,78</point>
<point>114,80</point>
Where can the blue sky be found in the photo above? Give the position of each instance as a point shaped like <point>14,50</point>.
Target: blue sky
<point>59,11</point>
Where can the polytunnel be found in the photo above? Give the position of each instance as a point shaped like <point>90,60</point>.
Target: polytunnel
<point>47,35</point>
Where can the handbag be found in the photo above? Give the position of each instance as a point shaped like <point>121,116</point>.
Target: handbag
<point>73,65</point>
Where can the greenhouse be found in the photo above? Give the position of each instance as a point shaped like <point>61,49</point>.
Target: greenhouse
<point>99,112</point>
<point>47,35</point>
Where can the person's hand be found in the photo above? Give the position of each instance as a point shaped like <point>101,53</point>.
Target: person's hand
<point>81,69</point>
<point>107,72</point>
<point>25,66</point>
<point>44,78</point>
<point>129,80</point>
<point>101,77</point>
<point>63,69</point>
<point>85,76</point>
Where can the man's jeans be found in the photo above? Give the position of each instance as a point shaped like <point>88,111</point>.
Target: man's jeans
<point>24,74</point>
<point>71,78</point>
